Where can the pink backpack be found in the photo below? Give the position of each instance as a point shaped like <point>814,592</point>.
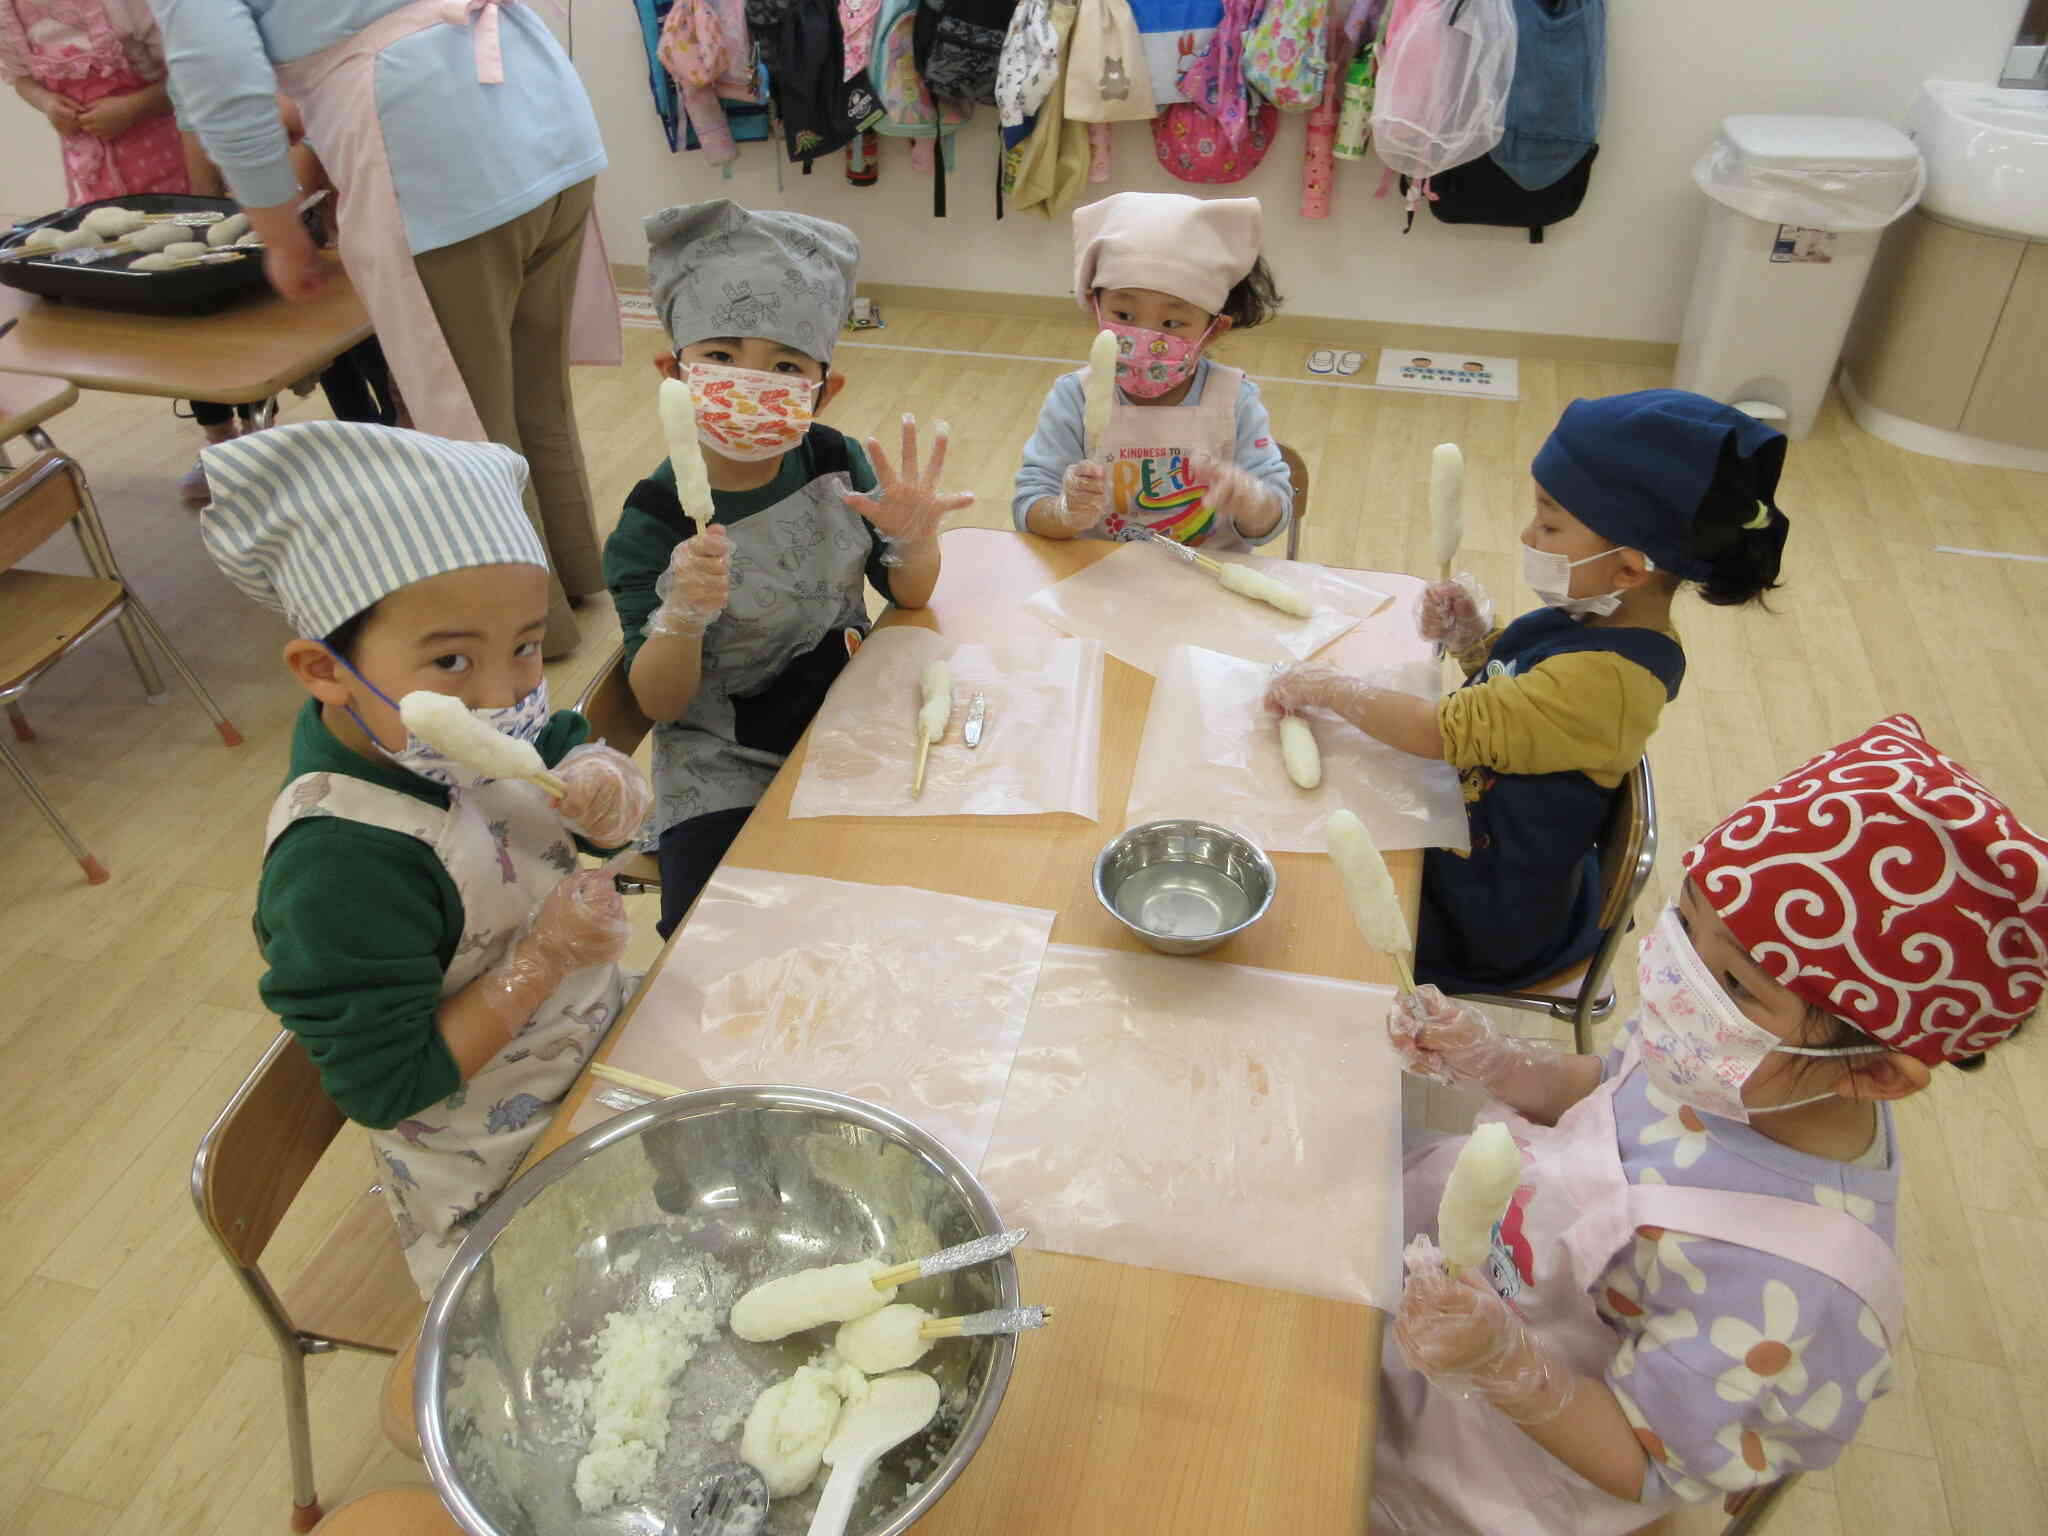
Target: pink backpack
<point>704,46</point>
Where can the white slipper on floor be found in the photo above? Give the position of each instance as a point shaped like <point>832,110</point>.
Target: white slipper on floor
<point>1350,363</point>
<point>1322,360</point>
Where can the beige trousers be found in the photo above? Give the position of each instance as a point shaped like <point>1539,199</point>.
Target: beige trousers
<point>503,298</point>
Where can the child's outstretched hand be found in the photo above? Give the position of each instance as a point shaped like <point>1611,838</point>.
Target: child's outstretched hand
<point>909,506</point>
<point>1454,614</point>
<point>1084,497</point>
<point>581,923</point>
<point>1232,494</point>
<point>695,587</point>
<point>1314,685</point>
<point>1456,1331</point>
<point>1450,1042</point>
<point>608,799</point>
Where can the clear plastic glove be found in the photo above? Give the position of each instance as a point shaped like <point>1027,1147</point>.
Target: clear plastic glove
<point>695,587</point>
<point>1318,685</point>
<point>1230,493</point>
<point>608,799</point>
<point>1084,496</point>
<point>581,923</point>
<point>1452,1042</point>
<point>1454,614</point>
<point>909,506</point>
<point>1456,1331</point>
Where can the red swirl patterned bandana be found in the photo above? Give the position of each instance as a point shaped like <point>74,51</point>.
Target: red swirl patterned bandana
<point>1883,883</point>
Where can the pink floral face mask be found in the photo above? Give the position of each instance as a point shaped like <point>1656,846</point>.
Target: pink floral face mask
<point>1149,362</point>
<point>748,416</point>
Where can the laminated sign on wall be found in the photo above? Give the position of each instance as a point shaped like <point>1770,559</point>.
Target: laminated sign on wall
<point>1449,373</point>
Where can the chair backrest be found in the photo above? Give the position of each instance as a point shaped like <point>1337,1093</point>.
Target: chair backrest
<point>1628,846</point>
<point>608,704</point>
<point>36,501</point>
<point>1297,471</point>
<point>260,1152</point>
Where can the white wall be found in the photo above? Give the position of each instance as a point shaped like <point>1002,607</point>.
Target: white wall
<point>1619,269</point>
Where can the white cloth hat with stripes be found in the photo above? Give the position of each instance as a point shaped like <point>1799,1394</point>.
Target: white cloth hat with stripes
<point>321,519</point>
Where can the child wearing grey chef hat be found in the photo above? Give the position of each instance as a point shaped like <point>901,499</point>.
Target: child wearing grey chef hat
<point>736,625</point>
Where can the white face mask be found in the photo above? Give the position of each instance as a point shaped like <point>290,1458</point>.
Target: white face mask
<point>1696,1044</point>
<point>1550,577</point>
<point>522,721</point>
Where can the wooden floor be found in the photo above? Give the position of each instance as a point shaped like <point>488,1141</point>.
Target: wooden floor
<point>136,1393</point>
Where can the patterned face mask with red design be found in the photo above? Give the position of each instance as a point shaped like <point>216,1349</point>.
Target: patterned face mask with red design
<point>1150,362</point>
<point>748,416</point>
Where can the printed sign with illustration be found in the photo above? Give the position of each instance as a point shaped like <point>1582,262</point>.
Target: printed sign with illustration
<point>1449,373</point>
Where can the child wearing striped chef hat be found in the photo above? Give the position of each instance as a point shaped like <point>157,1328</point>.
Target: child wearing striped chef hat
<point>430,938</point>
<point>1694,1290</point>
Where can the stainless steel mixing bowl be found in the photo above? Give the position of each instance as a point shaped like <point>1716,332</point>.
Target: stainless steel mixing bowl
<point>699,1196</point>
<point>1184,886</point>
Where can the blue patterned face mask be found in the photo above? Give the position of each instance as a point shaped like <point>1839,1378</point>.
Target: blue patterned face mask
<point>522,721</point>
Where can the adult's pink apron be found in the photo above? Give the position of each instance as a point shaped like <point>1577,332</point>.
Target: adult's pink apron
<point>336,90</point>
<point>1446,1465</point>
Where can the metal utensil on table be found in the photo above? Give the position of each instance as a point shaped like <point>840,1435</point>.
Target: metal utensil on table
<point>976,1250</point>
<point>1184,886</point>
<point>977,717</point>
<point>730,1499</point>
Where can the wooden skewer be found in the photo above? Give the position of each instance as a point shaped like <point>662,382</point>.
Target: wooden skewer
<point>1401,965</point>
<point>638,1084</point>
<point>1444,571</point>
<point>924,747</point>
<point>555,787</point>
<point>949,1327</point>
<point>896,1274</point>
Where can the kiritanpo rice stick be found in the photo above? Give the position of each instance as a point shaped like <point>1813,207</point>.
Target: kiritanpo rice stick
<point>1482,1182</point>
<point>1374,906</point>
<point>1099,394</point>
<point>1446,504</point>
<point>679,429</point>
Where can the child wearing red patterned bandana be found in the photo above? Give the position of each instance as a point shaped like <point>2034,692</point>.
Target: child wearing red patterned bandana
<point>1694,1290</point>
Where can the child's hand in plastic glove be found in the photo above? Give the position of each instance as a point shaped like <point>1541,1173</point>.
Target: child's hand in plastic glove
<point>1454,614</point>
<point>1452,1042</point>
<point>581,923</point>
<point>1456,1331</point>
<point>1231,494</point>
<point>1315,685</point>
<point>909,506</point>
<point>608,798</point>
<point>1084,497</point>
<point>696,586</point>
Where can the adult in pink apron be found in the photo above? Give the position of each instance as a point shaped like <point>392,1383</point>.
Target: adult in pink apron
<point>104,54</point>
<point>336,89</point>
<point>1446,1465</point>
<point>1151,450</point>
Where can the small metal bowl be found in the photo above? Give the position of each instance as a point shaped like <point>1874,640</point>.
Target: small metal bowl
<point>1184,886</point>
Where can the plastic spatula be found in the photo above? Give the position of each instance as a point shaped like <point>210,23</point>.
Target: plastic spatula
<point>897,1406</point>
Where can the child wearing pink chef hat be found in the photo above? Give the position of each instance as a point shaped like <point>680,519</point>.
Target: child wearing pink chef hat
<point>1694,1290</point>
<point>1189,452</point>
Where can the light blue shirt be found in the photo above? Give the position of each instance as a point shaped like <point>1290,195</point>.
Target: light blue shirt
<point>1058,442</point>
<point>465,157</point>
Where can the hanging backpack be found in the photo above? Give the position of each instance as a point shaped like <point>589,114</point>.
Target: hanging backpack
<point>1287,51</point>
<point>1554,104</point>
<point>1215,81</point>
<point>705,48</point>
<point>1029,66</point>
<point>1480,192</point>
<point>909,110</point>
<point>803,49</point>
<point>959,45</point>
<point>1441,94</point>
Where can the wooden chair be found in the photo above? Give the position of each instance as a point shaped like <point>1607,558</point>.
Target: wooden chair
<point>392,1512</point>
<point>1579,995</point>
<point>356,1293</point>
<point>28,400</point>
<point>615,718</point>
<point>44,614</point>
<point>1297,471</point>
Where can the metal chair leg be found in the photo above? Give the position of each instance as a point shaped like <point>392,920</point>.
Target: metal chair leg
<point>299,1429</point>
<point>23,731</point>
<point>221,722</point>
<point>1756,1506</point>
<point>95,871</point>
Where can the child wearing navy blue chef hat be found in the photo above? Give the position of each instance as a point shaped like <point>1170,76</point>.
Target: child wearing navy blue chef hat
<point>1637,495</point>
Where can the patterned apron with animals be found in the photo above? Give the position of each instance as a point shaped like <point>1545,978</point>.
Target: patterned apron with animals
<point>505,849</point>
<point>797,569</point>
<point>1149,448</point>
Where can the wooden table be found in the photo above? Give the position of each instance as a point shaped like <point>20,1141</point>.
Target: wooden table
<point>241,354</point>
<point>1158,1402</point>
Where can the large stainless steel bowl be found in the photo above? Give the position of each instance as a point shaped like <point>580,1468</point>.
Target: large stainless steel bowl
<point>1184,886</point>
<point>699,1196</point>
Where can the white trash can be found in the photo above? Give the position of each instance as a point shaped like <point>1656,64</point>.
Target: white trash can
<point>1799,206</point>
